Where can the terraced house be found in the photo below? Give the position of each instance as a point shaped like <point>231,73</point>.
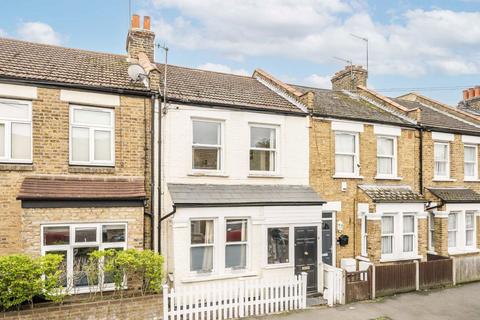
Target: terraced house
<point>75,150</point>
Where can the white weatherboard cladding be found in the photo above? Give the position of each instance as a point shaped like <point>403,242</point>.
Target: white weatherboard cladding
<point>347,126</point>
<point>387,130</point>
<point>90,98</point>
<point>260,219</point>
<point>293,151</point>
<point>470,139</point>
<point>442,136</point>
<point>16,91</point>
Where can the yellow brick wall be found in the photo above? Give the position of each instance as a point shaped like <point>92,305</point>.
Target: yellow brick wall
<point>322,169</point>
<point>50,118</point>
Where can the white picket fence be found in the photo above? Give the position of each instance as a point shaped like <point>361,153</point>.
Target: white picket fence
<point>334,285</point>
<point>235,299</point>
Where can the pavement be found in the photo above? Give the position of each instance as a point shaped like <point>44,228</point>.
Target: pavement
<point>458,303</point>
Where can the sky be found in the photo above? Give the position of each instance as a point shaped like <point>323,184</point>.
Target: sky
<point>432,47</point>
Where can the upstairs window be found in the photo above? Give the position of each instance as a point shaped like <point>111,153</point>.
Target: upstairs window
<point>92,136</point>
<point>442,160</point>
<point>207,145</point>
<point>470,162</point>
<point>386,157</point>
<point>263,149</point>
<point>15,131</point>
<point>346,153</point>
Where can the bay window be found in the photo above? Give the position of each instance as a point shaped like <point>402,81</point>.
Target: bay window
<point>431,232</point>
<point>399,236</point>
<point>236,243</point>
<point>207,145</point>
<point>263,148</point>
<point>15,131</point>
<point>408,232</point>
<point>442,160</point>
<point>386,157</point>
<point>75,242</point>
<point>388,227</point>
<point>452,229</point>
<point>201,245</point>
<point>470,162</point>
<point>278,250</point>
<point>346,153</point>
<point>469,228</point>
<point>92,136</point>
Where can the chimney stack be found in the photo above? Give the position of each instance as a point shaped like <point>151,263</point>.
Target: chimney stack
<point>349,78</point>
<point>140,39</point>
<point>471,93</point>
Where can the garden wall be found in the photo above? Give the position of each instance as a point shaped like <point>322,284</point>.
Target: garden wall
<point>141,307</point>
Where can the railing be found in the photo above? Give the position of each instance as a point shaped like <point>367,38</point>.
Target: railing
<point>334,285</point>
<point>235,299</point>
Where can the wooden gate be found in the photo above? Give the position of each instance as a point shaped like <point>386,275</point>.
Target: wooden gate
<point>395,278</point>
<point>358,285</point>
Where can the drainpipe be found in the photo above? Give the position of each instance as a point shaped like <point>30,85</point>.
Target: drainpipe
<point>421,161</point>
<point>152,173</point>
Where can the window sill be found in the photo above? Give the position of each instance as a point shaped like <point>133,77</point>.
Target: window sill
<point>404,258</point>
<point>346,176</point>
<point>388,178</point>
<point>278,266</point>
<point>265,175</point>
<point>432,252</point>
<point>16,167</point>
<point>201,278</point>
<point>87,169</point>
<point>207,174</point>
<point>443,180</point>
<point>454,252</point>
<point>362,258</point>
<point>471,180</point>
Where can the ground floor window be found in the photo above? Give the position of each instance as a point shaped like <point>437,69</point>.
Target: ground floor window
<point>452,229</point>
<point>398,235</point>
<point>75,242</point>
<point>431,232</point>
<point>462,231</point>
<point>201,245</point>
<point>236,243</point>
<point>278,245</point>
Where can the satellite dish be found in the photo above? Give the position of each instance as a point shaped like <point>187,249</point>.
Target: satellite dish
<point>138,74</point>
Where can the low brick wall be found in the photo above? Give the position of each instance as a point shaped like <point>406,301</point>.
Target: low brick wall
<point>146,307</point>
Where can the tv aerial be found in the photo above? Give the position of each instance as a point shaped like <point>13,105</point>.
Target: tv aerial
<point>138,74</point>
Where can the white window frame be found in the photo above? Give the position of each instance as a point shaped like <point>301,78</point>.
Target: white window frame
<point>7,122</point>
<point>290,246</point>
<point>220,147</point>
<point>91,139</point>
<point>397,251</point>
<point>404,234</point>
<point>390,235</point>
<point>475,162</point>
<point>431,232</point>
<point>473,229</point>
<point>73,245</point>
<point>457,242</point>
<point>447,161</point>
<point>275,151</point>
<point>392,157</point>
<point>214,244</point>
<point>355,154</point>
<point>364,235</point>
<point>246,243</point>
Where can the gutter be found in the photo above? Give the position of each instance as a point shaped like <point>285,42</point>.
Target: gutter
<point>168,215</point>
<point>442,203</point>
<point>249,204</point>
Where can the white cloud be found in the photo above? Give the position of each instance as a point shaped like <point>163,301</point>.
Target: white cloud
<point>223,68</point>
<point>318,81</point>
<point>38,32</point>
<point>3,33</point>
<point>415,43</point>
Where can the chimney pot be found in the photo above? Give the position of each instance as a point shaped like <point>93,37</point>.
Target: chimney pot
<point>135,21</point>
<point>471,93</point>
<point>477,92</point>
<point>146,23</point>
<point>465,94</point>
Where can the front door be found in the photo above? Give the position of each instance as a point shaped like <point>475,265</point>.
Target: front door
<point>327,254</point>
<point>306,255</point>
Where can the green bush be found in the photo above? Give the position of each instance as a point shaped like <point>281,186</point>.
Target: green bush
<point>23,277</point>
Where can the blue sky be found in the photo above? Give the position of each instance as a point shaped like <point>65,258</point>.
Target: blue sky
<point>427,46</point>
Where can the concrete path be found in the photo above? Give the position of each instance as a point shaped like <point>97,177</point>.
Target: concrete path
<point>458,303</point>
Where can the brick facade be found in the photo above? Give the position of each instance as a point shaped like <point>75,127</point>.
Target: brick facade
<point>50,132</point>
<point>349,78</point>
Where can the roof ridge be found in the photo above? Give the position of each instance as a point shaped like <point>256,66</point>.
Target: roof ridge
<point>63,47</point>
<point>203,70</point>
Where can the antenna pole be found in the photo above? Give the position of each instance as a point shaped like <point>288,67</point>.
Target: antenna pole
<point>366,44</point>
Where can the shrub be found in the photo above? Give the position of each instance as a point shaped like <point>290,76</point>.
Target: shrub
<point>23,277</point>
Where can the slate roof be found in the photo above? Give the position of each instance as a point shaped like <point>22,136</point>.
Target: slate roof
<point>333,104</point>
<point>40,62</point>
<point>242,195</point>
<point>81,188</point>
<point>194,85</point>
<point>456,194</point>
<point>389,194</point>
<point>431,117</point>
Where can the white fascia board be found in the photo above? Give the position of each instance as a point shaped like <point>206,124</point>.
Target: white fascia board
<point>332,206</point>
<point>16,91</point>
<point>90,98</point>
<point>347,126</point>
<point>416,207</point>
<point>442,136</point>
<point>387,130</point>
<point>470,139</point>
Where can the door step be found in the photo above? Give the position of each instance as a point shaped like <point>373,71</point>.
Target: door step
<point>315,301</point>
